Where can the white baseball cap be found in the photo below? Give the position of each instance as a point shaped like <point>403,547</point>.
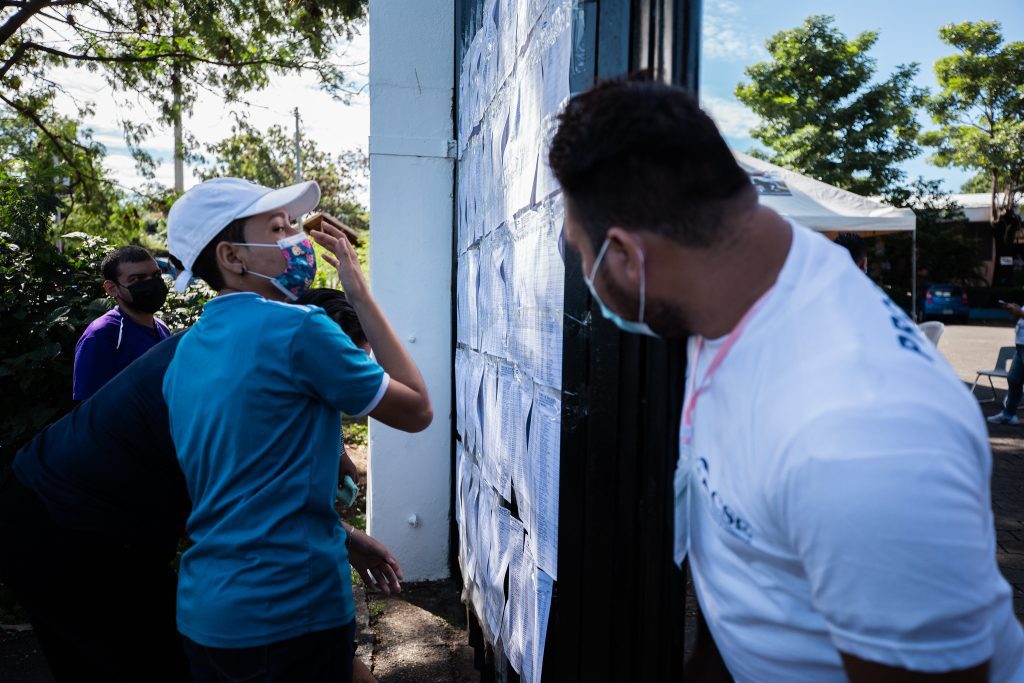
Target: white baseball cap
<point>207,208</point>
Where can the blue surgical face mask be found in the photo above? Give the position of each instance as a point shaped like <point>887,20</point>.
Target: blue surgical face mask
<point>631,326</point>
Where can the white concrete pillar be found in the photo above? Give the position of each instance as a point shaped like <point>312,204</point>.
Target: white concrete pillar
<point>411,187</point>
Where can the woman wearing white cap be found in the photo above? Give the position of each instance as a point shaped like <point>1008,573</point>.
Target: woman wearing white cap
<point>254,394</point>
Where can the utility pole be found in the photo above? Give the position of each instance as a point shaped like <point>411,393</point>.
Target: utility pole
<point>298,149</point>
<point>179,146</point>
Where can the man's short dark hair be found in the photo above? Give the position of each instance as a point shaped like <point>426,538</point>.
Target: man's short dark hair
<point>640,154</point>
<point>205,268</point>
<point>855,244</point>
<point>130,254</point>
<point>336,305</point>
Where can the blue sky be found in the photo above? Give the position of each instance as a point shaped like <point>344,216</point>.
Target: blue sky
<point>735,32</point>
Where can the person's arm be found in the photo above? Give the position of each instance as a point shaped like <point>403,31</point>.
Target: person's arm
<point>1015,310</point>
<point>886,511</point>
<point>346,466</point>
<point>94,362</point>
<point>406,403</point>
<point>373,561</point>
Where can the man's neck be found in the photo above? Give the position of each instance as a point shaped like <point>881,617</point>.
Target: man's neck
<point>740,274</point>
<point>137,317</point>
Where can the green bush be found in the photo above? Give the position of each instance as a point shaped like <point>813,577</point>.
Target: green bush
<point>182,310</point>
<point>47,297</point>
<point>355,432</point>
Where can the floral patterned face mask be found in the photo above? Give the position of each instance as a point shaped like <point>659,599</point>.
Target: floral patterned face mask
<point>300,270</point>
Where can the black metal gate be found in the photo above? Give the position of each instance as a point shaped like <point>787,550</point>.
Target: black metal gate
<point>618,606</point>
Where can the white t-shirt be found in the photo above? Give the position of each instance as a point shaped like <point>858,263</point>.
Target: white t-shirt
<point>840,490</point>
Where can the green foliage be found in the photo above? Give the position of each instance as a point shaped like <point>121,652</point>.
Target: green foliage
<point>945,250</point>
<point>355,433</point>
<point>35,174</point>
<point>47,297</point>
<point>269,159</point>
<point>823,116</point>
<point>980,114</point>
<point>164,52</point>
<point>181,311</point>
<point>981,183</point>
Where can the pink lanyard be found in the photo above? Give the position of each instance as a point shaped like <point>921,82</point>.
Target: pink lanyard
<point>693,392</point>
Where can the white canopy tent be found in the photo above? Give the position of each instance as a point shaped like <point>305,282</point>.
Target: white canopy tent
<point>821,206</point>
<point>826,208</point>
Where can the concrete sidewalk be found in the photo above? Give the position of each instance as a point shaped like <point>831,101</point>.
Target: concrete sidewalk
<point>973,348</point>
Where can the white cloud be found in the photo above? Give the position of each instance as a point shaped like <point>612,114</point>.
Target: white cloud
<point>725,36</point>
<point>335,126</point>
<point>733,119</point>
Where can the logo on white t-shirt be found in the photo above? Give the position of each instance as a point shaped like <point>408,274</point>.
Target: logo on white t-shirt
<point>722,513</point>
<point>905,328</point>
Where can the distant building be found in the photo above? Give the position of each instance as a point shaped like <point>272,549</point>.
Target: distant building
<point>976,208</point>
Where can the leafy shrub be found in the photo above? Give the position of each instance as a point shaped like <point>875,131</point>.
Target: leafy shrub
<point>182,310</point>
<point>355,432</point>
<point>47,297</point>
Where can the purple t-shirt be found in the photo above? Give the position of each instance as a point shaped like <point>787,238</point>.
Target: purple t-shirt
<point>110,343</point>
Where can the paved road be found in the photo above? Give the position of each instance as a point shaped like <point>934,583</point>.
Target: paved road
<point>968,349</point>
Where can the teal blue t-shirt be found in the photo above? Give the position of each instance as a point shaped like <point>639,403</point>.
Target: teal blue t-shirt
<point>253,396</point>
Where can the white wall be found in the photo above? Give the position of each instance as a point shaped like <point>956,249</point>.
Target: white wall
<point>411,186</point>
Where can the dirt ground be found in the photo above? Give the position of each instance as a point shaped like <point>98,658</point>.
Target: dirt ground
<point>419,635</point>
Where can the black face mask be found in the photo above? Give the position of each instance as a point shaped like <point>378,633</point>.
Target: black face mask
<point>148,295</point>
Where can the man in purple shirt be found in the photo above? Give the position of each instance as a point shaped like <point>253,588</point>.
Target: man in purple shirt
<point>111,342</point>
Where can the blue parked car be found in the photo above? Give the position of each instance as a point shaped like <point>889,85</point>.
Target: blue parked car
<point>947,302</point>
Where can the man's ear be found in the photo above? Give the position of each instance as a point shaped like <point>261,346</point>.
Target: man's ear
<point>227,258</point>
<point>626,250</point>
<point>110,287</point>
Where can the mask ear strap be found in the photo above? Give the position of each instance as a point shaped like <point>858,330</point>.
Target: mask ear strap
<point>597,261</point>
<point>643,284</point>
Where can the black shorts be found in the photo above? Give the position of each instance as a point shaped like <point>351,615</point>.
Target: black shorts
<point>320,657</point>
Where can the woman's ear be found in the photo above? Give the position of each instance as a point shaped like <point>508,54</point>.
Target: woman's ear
<point>228,260</point>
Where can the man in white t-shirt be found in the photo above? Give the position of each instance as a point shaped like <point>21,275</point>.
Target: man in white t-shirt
<point>833,482</point>
<point>1015,375</point>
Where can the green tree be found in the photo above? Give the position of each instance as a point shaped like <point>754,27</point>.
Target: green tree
<point>33,163</point>
<point>980,114</point>
<point>980,183</point>
<point>823,116</point>
<point>946,252</point>
<point>269,159</point>
<point>164,53</point>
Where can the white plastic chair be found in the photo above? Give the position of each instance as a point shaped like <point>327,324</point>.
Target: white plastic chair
<point>932,329</point>
<point>1000,370</point>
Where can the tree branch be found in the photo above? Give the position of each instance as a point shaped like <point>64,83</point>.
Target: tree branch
<point>58,141</point>
<point>18,53</point>
<point>165,56</point>
<point>19,18</point>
